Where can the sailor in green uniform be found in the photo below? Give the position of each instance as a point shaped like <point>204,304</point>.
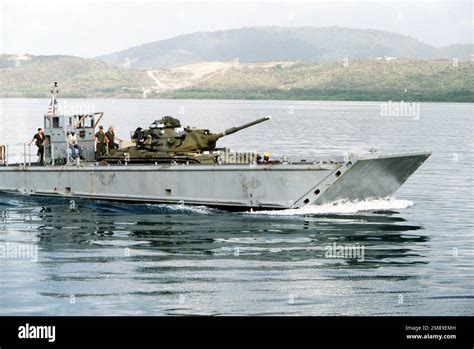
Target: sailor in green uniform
<point>101,142</point>
<point>110,135</point>
<point>40,139</point>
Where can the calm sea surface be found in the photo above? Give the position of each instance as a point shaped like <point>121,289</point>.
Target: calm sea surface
<point>102,258</point>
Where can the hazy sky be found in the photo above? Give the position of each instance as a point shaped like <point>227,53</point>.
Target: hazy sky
<point>90,28</point>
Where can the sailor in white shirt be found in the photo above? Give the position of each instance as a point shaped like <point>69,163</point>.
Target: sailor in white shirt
<point>76,150</point>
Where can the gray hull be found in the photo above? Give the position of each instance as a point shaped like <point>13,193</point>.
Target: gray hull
<point>275,186</point>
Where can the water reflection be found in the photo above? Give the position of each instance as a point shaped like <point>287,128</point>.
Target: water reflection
<point>145,259</point>
<point>190,232</point>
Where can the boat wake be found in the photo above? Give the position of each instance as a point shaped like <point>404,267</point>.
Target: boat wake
<point>181,208</point>
<point>342,207</point>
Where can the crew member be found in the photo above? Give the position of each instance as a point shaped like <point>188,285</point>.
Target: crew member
<point>110,135</point>
<point>40,139</point>
<point>101,142</point>
<point>76,149</point>
<point>266,156</point>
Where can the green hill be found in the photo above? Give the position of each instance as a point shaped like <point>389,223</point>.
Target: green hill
<point>359,80</point>
<point>31,76</point>
<point>263,44</point>
<point>368,79</point>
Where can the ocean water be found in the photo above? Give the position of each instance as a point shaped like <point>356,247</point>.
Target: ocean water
<point>413,252</point>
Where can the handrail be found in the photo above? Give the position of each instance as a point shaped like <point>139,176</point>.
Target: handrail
<point>3,150</point>
<point>16,153</point>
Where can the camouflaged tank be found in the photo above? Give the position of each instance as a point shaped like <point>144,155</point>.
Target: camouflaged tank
<point>167,141</point>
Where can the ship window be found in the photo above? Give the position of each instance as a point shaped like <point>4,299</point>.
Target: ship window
<point>306,201</point>
<point>338,173</point>
<point>168,191</point>
<point>55,122</point>
<point>317,191</point>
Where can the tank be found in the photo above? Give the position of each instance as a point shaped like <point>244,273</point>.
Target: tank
<point>167,141</point>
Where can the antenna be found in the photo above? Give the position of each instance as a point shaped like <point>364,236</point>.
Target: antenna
<point>54,93</point>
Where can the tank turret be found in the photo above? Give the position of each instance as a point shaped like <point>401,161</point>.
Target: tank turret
<point>166,140</point>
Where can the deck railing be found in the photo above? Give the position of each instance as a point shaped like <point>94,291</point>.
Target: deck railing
<point>16,154</point>
<point>3,154</point>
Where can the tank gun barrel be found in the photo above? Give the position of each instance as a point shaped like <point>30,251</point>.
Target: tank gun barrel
<point>235,129</point>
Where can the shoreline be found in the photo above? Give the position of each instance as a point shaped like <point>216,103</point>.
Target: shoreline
<point>228,98</point>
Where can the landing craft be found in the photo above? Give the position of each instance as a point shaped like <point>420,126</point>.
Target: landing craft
<point>167,163</point>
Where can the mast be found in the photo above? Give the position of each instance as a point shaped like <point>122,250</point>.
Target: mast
<point>54,93</point>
